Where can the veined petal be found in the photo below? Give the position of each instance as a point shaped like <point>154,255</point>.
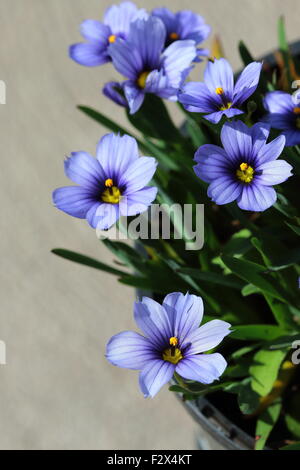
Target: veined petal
<point>154,322</point>
<point>279,102</point>
<point>148,35</point>
<point>256,198</point>
<point>274,172</point>
<point>138,202</point>
<point>129,350</point>
<point>207,337</point>
<point>89,54</point>
<point>212,162</point>
<point>103,216</point>
<point>74,200</point>
<point>231,112</point>
<point>155,375</point>
<point>192,26</point>
<point>271,151</point>
<point>116,154</point>
<point>219,74</point>
<point>198,95</point>
<point>126,58</point>
<point>224,190</point>
<point>260,133</point>
<point>176,59</point>
<point>292,137</point>
<point>157,82</point>
<point>185,313</point>
<point>84,170</point>
<point>167,17</point>
<point>214,117</point>
<point>110,90</point>
<point>95,32</point>
<point>119,17</point>
<point>203,368</point>
<point>236,139</point>
<point>134,95</point>
<point>138,174</point>
<point>247,83</point>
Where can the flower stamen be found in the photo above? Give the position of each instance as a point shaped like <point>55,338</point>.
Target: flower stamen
<point>173,341</point>
<point>245,173</point>
<point>172,355</point>
<point>109,183</point>
<point>174,36</point>
<point>226,106</point>
<point>141,81</point>
<point>219,90</point>
<point>296,110</point>
<point>112,38</point>
<point>112,195</point>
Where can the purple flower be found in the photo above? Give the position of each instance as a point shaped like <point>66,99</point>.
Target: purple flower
<point>148,67</point>
<point>109,186</point>
<point>284,114</point>
<point>218,95</point>
<point>184,25</point>
<point>99,36</point>
<point>173,342</point>
<point>245,169</point>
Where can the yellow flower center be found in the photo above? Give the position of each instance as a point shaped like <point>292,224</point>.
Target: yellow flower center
<point>112,38</point>
<point>219,90</point>
<point>172,355</point>
<point>226,106</point>
<point>245,173</point>
<point>112,194</point>
<point>141,81</point>
<point>296,110</point>
<point>174,36</point>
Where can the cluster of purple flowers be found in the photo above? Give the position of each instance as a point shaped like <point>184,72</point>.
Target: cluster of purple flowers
<point>154,52</point>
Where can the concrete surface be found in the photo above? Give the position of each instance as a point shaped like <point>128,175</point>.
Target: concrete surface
<point>57,391</point>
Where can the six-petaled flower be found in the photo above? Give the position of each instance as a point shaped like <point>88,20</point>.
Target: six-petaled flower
<point>109,186</point>
<point>218,95</point>
<point>184,25</point>
<point>99,36</point>
<point>173,342</point>
<point>148,66</point>
<point>245,169</point>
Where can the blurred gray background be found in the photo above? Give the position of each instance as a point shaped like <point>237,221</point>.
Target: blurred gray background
<point>57,391</point>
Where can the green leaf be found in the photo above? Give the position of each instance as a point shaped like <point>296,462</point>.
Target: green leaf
<point>105,121</point>
<point>264,370</point>
<point>248,399</point>
<point>266,423</point>
<point>295,446</point>
<point>294,228</point>
<point>250,289</point>
<point>246,56</point>
<point>284,47</point>
<point>239,243</point>
<point>257,332</point>
<point>254,274</point>
<point>292,416</point>
<point>87,261</point>
<point>211,277</point>
<point>153,120</point>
